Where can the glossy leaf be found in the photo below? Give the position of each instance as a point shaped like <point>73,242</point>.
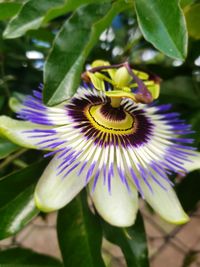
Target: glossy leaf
<point>163,25</point>
<point>131,240</point>
<point>17,206</point>
<point>8,10</point>
<point>68,6</point>
<point>192,15</point>
<point>34,13</point>
<point>17,213</point>
<point>79,235</point>
<point>69,54</point>
<point>18,257</point>
<point>29,17</point>
<point>6,148</point>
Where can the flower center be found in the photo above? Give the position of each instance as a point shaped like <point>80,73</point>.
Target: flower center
<point>109,119</point>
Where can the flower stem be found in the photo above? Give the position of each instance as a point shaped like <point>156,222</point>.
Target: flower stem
<point>10,159</point>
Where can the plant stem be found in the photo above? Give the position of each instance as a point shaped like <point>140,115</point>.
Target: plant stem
<point>9,159</point>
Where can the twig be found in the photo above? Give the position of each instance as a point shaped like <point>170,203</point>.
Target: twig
<point>12,157</point>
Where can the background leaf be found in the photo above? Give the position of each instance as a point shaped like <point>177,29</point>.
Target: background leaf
<point>192,15</point>
<point>17,206</point>
<point>8,10</point>
<point>20,257</point>
<point>163,25</point>
<point>131,240</point>
<point>69,5</point>
<point>79,235</point>
<point>184,92</point>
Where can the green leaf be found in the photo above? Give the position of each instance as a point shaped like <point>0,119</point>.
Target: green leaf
<point>33,13</point>
<point>17,213</point>
<point>163,25</point>
<point>131,240</point>
<point>71,47</point>
<point>8,10</point>
<point>17,206</point>
<point>192,15</point>
<point>29,17</point>
<point>18,257</point>
<point>6,148</point>
<point>79,235</point>
<point>69,6</point>
<point>41,34</point>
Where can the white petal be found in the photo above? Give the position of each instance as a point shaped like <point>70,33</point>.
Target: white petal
<point>164,202</point>
<point>16,131</point>
<point>53,191</point>
<point>194,163</point>
<point>119,207</point>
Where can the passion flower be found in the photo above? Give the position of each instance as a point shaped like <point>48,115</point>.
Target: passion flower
<point>114,145</point>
